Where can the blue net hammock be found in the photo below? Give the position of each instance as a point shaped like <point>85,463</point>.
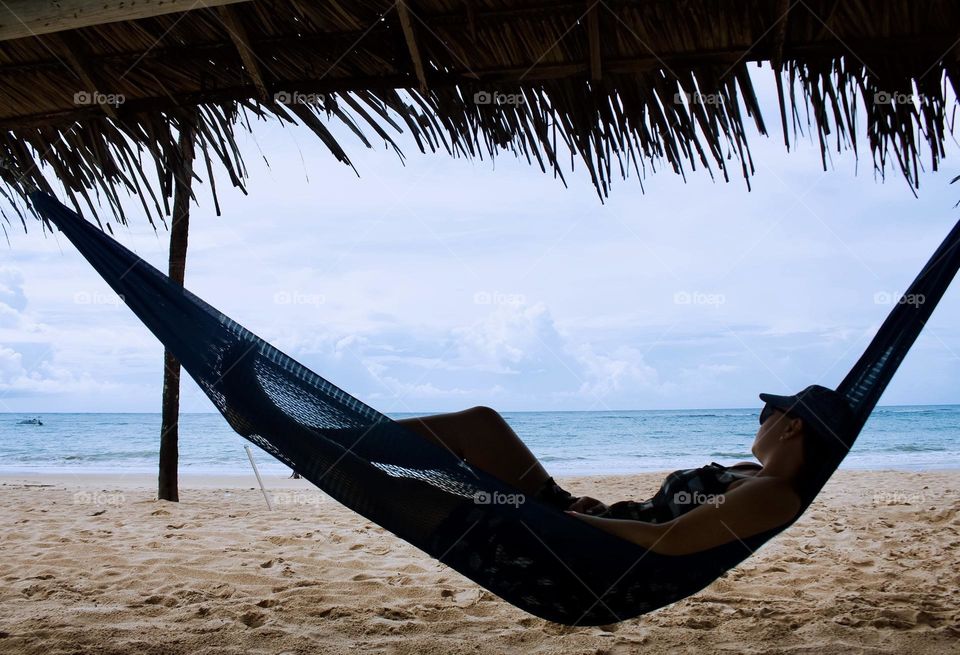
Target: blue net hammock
<point>531,554</point>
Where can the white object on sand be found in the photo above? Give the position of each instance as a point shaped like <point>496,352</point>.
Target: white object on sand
<point>256,472</point>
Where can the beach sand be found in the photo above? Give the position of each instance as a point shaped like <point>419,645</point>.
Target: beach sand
<point>95,564</point>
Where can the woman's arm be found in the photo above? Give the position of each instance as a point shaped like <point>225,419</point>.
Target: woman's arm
<point>752,508</point>
<point>648,535</point>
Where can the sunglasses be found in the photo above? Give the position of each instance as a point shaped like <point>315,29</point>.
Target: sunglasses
<point>767,412</point>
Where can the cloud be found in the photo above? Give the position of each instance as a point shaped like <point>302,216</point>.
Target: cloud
<point>11,288</point>
<point>29,362</point>
<point>509,339</point>
<point>606,374</point>
<point>513,353</point>
<point>46,378</point>
<point>12,298</point>
<point>403,395</point>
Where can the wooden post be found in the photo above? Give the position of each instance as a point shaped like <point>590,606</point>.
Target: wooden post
<point>179,227</point>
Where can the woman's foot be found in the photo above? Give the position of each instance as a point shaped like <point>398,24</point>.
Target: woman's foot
<point>554,495</point>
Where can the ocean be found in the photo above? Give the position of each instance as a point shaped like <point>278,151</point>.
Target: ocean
<point>568,443</point>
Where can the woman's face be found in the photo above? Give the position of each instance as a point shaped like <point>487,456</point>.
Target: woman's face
<point>768,436</point>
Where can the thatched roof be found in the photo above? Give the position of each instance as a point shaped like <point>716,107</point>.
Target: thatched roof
<point>626,86</point>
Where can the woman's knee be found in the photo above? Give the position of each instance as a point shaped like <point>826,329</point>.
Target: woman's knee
<point>484,413</point>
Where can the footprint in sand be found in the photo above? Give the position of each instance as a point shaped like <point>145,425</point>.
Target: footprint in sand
<point>462,598</point>
<point>188,596</point>
<point>160,600</point>
<point>332,612</point>
<point>253,619</point>
<point>394,614</point>
<point>626,647</point>
<point>700,624</point>
<point>221,591</point>
<point>413,568</point>
<point>903,618</point>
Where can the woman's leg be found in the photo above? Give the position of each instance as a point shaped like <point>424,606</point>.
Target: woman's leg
<point>481,436</point>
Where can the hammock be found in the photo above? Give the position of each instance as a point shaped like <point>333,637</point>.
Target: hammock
<point>530,554</point>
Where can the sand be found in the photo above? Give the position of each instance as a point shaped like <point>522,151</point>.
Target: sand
<point>96,564</point>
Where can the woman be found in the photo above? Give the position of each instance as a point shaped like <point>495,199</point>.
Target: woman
<point>800,442</point>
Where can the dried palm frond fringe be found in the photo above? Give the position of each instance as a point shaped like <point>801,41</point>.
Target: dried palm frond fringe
<point>625,87</point>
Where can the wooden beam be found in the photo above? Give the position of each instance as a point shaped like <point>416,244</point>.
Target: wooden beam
<point>241,40</point>
<point>593,36</point>
<point>408,34</point>
<point>74,51</point>
<point>825,19</point>
<point>780,36</point>
<point>334,43</point>
<point>527,74</point>
<point>24,18</point>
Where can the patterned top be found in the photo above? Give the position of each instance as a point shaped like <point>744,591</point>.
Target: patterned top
<point>681,492</point>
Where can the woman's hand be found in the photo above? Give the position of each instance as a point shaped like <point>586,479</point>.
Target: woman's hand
<point>648,535</point>
<point>588,505</point>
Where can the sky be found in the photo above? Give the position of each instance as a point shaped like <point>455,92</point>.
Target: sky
<point>441,284</point>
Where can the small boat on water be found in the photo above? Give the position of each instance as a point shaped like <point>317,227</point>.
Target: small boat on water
<point>30,421</point>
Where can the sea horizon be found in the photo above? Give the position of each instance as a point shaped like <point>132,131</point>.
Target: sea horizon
<point>568,442</point>
<point>511,411</point>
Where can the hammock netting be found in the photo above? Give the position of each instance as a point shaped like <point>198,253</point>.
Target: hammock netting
<point>530,554</point>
